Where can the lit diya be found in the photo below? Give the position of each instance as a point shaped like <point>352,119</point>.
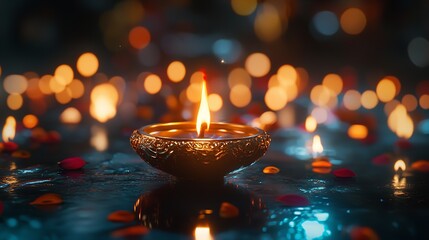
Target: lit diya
<point>200,151</point>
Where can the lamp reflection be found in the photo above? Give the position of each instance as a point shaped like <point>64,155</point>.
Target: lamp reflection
<point>399,182</point>
<point>195,209</point>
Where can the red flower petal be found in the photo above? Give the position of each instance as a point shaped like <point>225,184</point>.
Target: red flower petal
<point>421,166</point>
<point>48,199</point>
<point>344,173</point>
<point>227,210</point>
<point>382,159</point>
<point>363,233</point>
<point>73,163</point>
<point>130,232</point>
<point>1,207</point>
<point>121,216</point>
<point>8,146</point>
<point>293,200</point>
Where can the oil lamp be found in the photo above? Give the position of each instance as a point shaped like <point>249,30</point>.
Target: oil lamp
<point>200,151</point>
<point>8,134</point>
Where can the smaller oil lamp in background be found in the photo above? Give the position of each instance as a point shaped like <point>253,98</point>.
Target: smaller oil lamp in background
<point>399,181</point>
<point>321,163</point>
<point>8,134</point>
<point>202,232</point>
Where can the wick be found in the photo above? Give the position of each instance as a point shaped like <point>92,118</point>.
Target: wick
<point>202,130</point>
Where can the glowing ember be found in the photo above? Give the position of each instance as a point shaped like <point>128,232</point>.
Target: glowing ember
<point>399,165</point>
<point>317,145</point>
<point>8,133</point>
<point>202,233</point>
<point>310,124</point>
<point>203,111</point>
<point>104,98</point>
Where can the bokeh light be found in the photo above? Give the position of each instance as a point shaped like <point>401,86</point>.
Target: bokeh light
<point>152,84</point>
<point>287,75</point>
<point>104,98</point>
<point>71,116</point>
<point>333,82</point>
<point>320,114</point>
<point>326,23</point>
<point>64,74</point>
<point>30,121</point>
<point>258,64</point>
<point>424,101</point>
<point>44,84</point>
<point>357,131</point>
<point>410,102</point>
<point>322,96</point>
<point>390,106</point>
<point>14,101</point>
<point>215,102</point>
<point>353,21</point>
<point>418,51</point>
<point>176,71</point>
<point>139,37</point>
<point>240,95</point>
<point>369,99</point>
<point>386,90</point>
<point>310,124</point>
<point>244,7</point>
<point>239,76</point>
<point>352,100</point>
<point>63,97</point>
<point>87,64</point>
<point>15,84</point>
<point>276,98</point>
<point>268,25</point>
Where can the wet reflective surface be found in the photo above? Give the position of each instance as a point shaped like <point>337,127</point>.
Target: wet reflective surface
<point>393,205</point>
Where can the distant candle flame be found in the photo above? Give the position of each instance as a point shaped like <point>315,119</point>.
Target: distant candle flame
<point>9,129</point>
<point>104,98</point>
<point>99,139</point>
<point>310,124</point>
<point>317,145</point>
<point>202,233</point>
<point>400,165</point>
<point>400,122</point>
<point>203,111</point>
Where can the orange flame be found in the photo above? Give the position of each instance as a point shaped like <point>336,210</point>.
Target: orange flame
<point>400,165</point>
<point>203,111</point>
<point>202,233</point>
<point>9,129</point>
<point>400,122</point>
<point>104,98</point>
<point>317,145</point>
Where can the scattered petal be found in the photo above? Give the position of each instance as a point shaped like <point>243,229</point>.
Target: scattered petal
<point>382,159</point>
<point>8,146</point>
<point>420,165</point>
<point>344,173</point>
<point>271,170</point>
<point>130,231</point>
<point>121,216</point>
<point>293,200</point>
<point>21,154</point>
<point>321,164</point>
<point>322,170</point>
<point>227,210</point>
<point>73,163</point>
<point>363,233</point>
<point>403,144</point>
<point>48,199</point>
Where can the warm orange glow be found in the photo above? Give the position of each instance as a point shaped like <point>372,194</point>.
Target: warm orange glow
<point>287,75</point>
<point>55,85</point>
<point>268,118</point>
<point>239,76</point>
<point>202,233</point>
<point>71,116</point>
<point>317,145</point>
<point>204,110</point>
<point>76,88</point>
<point>410,102</point>
<point>16,84</point>
<point>400,122</point>
<point>44,84</point>
<point>357,131</point>
<point>152,84</point>
<point>30,121</point>
<point>386,90</point>
<point>99,139</point>
<point>215,102</point>
<point>333,82</point>
<point>424,101</point>
<point>276,98</point>
<point>87,64</point>
<point>139,37</point>
<point>310,124</point>
<point>176,71</point>
<point>240,95</point>
<point>268,24</point>
<point>351,100</point>
<point>64,74</point>
<point>369,99</point>
<point>244,7</point>
<point>400,165</point>
<point>104,98</point>
<point>320,114</point>
<point>353,21</point>
<point>63,97</point>
<point>321,95</point>
<point>9,129</point>
<point>14,101</point>
<point>257,64</point>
